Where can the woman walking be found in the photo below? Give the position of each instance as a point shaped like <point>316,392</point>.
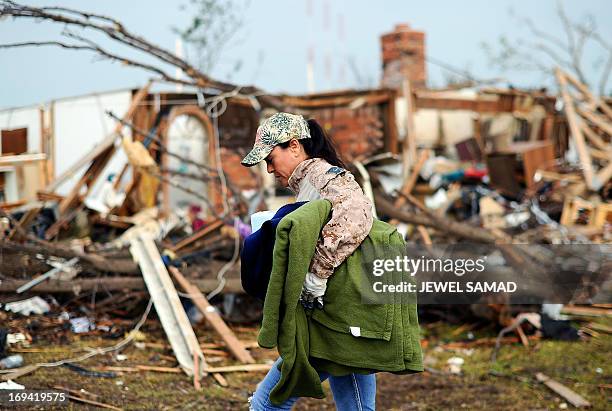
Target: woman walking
<point>302,157</point>
<point>317,312</point>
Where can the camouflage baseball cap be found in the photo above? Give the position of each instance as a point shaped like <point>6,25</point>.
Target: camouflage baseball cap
<point>279,128</point>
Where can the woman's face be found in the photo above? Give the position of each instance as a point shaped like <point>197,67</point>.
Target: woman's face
<point>282,161</point>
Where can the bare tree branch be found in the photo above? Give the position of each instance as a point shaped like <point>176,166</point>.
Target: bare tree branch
<point>213,25</point>
<point>543,35</point>
<point>605,75</point>
<point>115,30</point>
<point>569,54</point>
<point>574,51</point>
<point>559,61</point>
<point>101,52</point>
<point>80,13</point>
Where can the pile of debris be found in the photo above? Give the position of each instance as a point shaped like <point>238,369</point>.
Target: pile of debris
<point>516,197</point>
<point>55,238</point>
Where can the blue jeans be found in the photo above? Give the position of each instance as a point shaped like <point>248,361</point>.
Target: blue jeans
<point>354,392</point>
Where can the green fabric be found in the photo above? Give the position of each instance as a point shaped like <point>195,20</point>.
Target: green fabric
<point>321,339</point>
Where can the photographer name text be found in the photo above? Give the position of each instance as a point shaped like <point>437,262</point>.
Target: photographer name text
<point>446,287</point>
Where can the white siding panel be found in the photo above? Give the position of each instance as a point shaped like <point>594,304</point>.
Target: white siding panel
<point>80,124</point>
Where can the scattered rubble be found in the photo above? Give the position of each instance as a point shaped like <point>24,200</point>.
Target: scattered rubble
<point>523,171</point>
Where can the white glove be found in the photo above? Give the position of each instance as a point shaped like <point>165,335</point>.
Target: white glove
<point>313,291</point>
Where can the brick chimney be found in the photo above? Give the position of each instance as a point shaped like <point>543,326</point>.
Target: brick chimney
<point>403,55</point>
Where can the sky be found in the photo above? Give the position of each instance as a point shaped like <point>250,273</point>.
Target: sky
<point>276,38</point>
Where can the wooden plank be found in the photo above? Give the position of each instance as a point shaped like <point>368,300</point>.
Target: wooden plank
<point>522,336</point>
<point>602,177</point>
<point>425,235</point>
<point>220,379</point>
<point>75,392</point>
<point>540,156</point>
<point>48,196</point>
<point>600,327</point>
<point>121,369</point>
<point>237,368</point>
<point>198,235</point>
<point>82,162</point>
<point>92,402</point>
<point>409,155</point>
<point>167,304</point>
<point>42,167</point>
<point>571,396</point>
<point>214,352</point>
<point>596,119</point>
<point>196,372</point>
<point>51,142</point>
<point>333,102</point>
<point>18,372</point>
<point>172,370</point>
<point>600,155</point>
<point>588,95</point>
<point>411,181</point>
<point>392,139</point>
<point>576,130</point>
<point>587,311</point>
<point>553,176</point>
<point>233,285</point>
<point>21,159</point>
<point>213,317</point>
<point>25,221</point>
<point>444,103</point>
<point>600,215</point>
<point>88,179</point>
<point>596,140</point>
<point>10,206</point>
<point>62,222</point>
<point>567,216</point>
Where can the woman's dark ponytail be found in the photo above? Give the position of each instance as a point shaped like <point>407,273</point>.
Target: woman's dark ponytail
<point>320,145</point>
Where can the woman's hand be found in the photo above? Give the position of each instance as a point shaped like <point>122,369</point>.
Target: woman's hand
<point>313,291</point>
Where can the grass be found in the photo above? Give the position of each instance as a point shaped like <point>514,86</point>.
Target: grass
<point>513,387</point>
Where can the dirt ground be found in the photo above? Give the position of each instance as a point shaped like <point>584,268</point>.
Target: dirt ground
<point>583,366</point>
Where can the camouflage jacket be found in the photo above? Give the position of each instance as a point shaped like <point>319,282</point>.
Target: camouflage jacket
<point>351,218</point>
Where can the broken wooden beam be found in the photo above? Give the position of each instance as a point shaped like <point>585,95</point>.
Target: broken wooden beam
<point>25,220</point>
<point>198,235</point>
<point>476,234</point>
<point>586,311</point>
<point>412,179</point>
<point>18,372</point>
<point>87,261</point>
<point>167,305</point>
<point>213,317</point>
<point>570,396</point>
<point>94,403</point>
<point>237,368</point>
<point>233,285</point>
<point>575,129</point>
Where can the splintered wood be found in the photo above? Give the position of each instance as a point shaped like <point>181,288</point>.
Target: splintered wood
<point>572,397</point>
<point>213,317</point>
<point>590,122</point>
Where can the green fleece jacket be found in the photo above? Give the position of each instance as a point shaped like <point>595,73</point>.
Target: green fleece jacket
<point>347,336</point>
